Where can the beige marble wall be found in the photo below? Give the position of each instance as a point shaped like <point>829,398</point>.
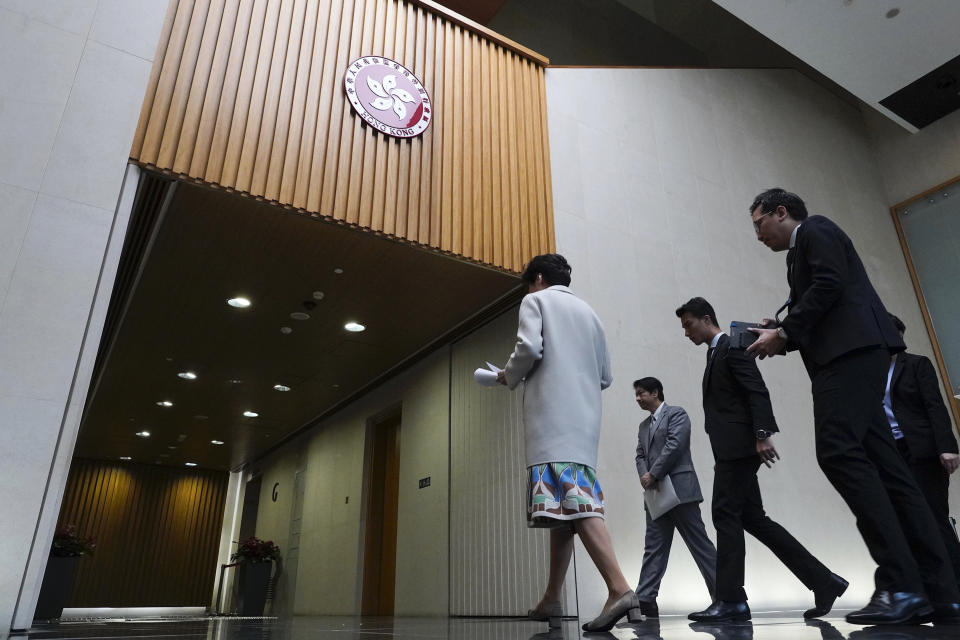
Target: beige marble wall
<point>71,86</point>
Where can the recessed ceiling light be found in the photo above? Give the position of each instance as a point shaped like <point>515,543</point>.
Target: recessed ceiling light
<point>355,327</point>
<point>235,381</point>
<point>286,330</point>
<point>216,442</point>
<point>164,403</point>
<point>200,416</point>
<point>336,386</point>
<point>171,447</point>
<point>143,434</point>
<point>338,271</point>
<point>281,387</point>
<point>300,315</point>
<point>250,414</point>
<point>318,295</point>
<point>126,458</point>
<point>190,464</point>
<point>239,303</point>
<point>187,375</point>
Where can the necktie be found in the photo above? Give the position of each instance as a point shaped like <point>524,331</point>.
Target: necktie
<point>791,256</point>
<point>710,354</point>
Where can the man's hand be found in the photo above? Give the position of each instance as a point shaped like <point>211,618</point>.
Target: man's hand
<point>950,461</point>
<point>767,452</point>
<point>768,343</point>
<point>647,480</point>
<point>502,377</point>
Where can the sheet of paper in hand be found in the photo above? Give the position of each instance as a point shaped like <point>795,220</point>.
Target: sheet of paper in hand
<point>661,497</point>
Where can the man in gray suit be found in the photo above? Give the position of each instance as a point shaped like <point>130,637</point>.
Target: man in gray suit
<point>663,449</point>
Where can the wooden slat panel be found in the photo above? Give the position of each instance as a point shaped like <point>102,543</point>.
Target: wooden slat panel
<point>248,96</point>
<point>157,532</point>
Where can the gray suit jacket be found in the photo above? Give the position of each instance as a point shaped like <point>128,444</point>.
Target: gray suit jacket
<point>666,451</point>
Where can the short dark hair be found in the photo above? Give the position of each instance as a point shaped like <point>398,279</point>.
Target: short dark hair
<point>770,199</point>
<point>898,323</point>
<point>698,308</point>
<point>552,266</point>
<point>649,385</point>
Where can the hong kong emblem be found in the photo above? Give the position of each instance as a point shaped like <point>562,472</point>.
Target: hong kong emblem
<point>388,96</point>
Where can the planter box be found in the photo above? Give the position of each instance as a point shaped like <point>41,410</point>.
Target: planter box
<point>254,582</point>
<point>57,582</point>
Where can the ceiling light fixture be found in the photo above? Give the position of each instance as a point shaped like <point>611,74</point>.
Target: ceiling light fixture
<point>250,414</point>
<point>239,303</point>
<point>286,330</point>
<point>354,327</point>
<point>318,295</point>
<point>165,403</point>
<point>143,434</point>
<point>281,387</point>
<point>126,458</point>
<point>187,375</point>
<point>300,315</point>
<point>190,464</point>
<point>216,442</point>
<point>338,271</point>
<point>235,381</point>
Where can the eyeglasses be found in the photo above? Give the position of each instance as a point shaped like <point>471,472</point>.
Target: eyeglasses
<point>756,223</point>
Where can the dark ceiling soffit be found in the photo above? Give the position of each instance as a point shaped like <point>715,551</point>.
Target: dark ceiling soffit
<point>150,205</point>
<point>499,306</point>
<point>927,99</point>
<point>180,177</point>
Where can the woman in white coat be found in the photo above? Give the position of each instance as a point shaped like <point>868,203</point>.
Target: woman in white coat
<point>561,357</point>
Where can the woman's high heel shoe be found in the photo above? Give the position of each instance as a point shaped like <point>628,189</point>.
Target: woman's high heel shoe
<point>624,605</point>
<point>550,612</point>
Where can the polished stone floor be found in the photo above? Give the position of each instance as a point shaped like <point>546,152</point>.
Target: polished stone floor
<point>764,626</point>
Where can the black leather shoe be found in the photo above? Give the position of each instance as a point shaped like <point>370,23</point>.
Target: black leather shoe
<point>824,597</point>
<point>889,607</point>
<point>722,611</point>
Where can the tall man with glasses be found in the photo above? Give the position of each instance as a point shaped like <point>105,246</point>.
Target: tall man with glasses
<point>845,337</point>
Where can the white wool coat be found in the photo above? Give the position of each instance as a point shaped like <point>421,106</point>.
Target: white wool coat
<point>561,356</point>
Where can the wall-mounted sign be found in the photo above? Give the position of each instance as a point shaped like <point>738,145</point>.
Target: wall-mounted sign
<point>388,96</point>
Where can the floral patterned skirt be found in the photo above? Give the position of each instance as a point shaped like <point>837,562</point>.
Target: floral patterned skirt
<point>558,492</point>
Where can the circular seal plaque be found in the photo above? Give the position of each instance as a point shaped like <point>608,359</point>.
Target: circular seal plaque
<point>388,96</point>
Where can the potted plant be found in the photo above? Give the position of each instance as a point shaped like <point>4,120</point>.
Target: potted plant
<point>255,557</point>
<point>65,553</point>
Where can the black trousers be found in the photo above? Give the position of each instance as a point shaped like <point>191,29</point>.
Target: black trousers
<point>857,453</point>
<point>934,481</point>
<point>738,507</point>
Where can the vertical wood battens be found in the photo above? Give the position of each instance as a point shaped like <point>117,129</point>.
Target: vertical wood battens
<point>157,532</point>
<point>249,96</point>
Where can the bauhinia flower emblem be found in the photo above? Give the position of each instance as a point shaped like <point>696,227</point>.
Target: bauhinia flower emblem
<point>389,94</point>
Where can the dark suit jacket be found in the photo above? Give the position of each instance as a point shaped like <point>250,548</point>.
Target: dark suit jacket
<point>918,407</point>
<point>735,402</point>
<point>834,308</point>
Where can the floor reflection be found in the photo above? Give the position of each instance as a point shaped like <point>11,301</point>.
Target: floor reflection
<point>771,626</point>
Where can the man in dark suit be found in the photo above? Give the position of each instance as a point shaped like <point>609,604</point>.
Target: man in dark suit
<point>841,328</point>
<point>921,427</point>
<point>663,450</point>
<point>740,423</point>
